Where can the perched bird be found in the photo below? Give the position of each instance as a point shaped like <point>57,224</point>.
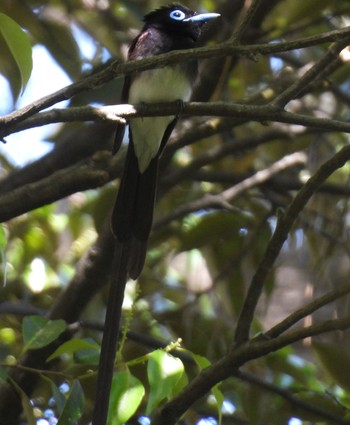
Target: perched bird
<point>172,27</point>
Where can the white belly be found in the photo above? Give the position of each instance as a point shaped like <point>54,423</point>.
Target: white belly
<point>155,86</point>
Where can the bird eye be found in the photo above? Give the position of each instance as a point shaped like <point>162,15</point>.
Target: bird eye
<point>178,15</point>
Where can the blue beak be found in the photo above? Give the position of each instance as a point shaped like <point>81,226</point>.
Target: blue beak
<point>202,17</point>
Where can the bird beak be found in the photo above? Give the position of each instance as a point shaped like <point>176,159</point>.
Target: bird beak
<point>202,17</point>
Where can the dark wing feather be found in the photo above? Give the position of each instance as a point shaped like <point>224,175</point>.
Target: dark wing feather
<point>132,215</point>
<point>145,199</point>
<point>122,215</point>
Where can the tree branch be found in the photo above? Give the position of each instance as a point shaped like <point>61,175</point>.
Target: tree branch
<point>169,413</point>
<point>246,21</point>
<point>311,74</point>
<point>310,308</point>
<point>116,69</point>
<point>284,225</point>
<point>259,113</point>
<point>223,199</point>
<point>93,173</point>
<point>292,399</point>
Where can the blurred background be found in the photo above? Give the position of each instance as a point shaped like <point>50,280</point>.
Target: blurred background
<point>201,258</point>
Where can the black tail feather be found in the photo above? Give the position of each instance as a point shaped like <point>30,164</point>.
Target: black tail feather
<point>125,202</point>
<point>133,211</point>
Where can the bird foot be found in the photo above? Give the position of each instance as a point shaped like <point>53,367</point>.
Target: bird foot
<point>180,105</point>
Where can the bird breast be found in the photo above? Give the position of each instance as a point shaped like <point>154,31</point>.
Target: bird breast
<point>155,86</point>
<point>161,85</point>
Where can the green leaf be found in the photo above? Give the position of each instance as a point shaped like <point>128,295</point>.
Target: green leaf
<point>72,346</point>
<point>126,395</point>
<point>19,46</point>
<point>3,373</point>
<point>73,407</point>
<point>164,372</point>
<point>219,397</point>
<point>89,355</point>
<point>180,385</point>
<point>335,359</point>
<point>202,363</point>
<point>59,398</point>
<point>39,331</point>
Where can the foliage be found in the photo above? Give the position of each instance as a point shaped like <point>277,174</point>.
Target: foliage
<point>248,263</point>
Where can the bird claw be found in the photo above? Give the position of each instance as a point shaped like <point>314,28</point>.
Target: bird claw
<point>142,108</point>
<point>180,104</point>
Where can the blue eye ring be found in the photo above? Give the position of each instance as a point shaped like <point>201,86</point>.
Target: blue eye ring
<point>177,14</point>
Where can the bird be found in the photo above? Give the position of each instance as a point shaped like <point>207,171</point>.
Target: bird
<point>168,28</point>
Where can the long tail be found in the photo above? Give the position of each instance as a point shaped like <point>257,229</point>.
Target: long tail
<point>133,211</point>
<point>110,336</point>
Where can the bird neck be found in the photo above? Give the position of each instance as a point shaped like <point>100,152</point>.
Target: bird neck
<point>173,38</point>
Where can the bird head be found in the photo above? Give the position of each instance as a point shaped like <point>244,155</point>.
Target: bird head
<point>180,19</point>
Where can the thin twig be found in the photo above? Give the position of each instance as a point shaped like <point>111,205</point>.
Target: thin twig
<point>223,199</point>
<point>299,85</point>
<point>284,225</point>
<point>244,24</point>
<point>310,308</point>
<point>292,399</point>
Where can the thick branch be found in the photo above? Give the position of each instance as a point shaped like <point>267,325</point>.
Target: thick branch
<point>93,173</point>
<point>259,113</point>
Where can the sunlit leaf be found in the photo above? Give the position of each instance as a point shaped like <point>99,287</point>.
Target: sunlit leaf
<point>163,371</point>
<point>125,397</point>
<point>19,46</point>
